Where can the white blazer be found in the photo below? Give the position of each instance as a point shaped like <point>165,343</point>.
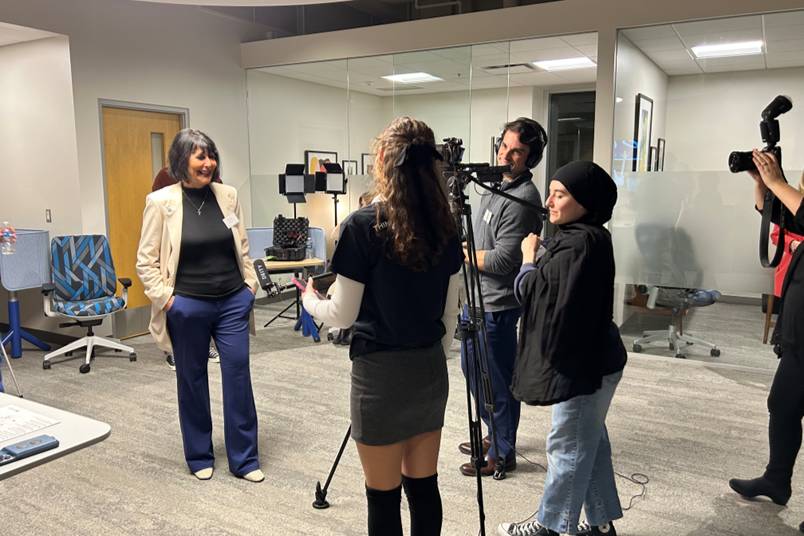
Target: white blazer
<point>160,244</point>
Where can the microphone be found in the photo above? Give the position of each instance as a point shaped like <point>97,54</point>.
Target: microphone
<point>264,279</point>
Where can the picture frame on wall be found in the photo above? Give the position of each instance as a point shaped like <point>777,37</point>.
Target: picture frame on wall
<point>315,160</point>
<point>349,167</point>
<point>661,145</point>
<point>366,163</point>
<point>643,125</point>
<point>653,159</point>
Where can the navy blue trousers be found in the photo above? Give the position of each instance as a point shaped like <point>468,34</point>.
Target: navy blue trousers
<point>501,339</point>
<point>191,322</point>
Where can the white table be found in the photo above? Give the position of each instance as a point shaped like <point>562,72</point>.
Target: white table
<point>73,432</point>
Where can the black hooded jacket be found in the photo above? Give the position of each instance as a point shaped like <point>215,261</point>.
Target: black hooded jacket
<point>568,340</point>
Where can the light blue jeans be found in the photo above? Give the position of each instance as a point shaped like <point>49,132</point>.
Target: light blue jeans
<point>579,469</point>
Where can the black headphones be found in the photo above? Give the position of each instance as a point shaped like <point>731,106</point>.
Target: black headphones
<point>530,133</point>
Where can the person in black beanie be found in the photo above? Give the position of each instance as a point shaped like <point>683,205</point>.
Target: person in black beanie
<point>570,353</point>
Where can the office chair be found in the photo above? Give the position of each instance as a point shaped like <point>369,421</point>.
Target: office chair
<point>83,290</point>
<point>679,301</point>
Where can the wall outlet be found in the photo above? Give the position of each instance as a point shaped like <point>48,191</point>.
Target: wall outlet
<point>48,217</point>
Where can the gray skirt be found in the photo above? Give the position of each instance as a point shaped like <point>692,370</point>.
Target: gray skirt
<point>398,394</point>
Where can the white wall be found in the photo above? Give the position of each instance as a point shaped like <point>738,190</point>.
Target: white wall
<point>119,50</point>
<point>37,133</point>
<point>147,53</point>
<point>636,73</point>
<point>287,117</point>
<point>713,114</point>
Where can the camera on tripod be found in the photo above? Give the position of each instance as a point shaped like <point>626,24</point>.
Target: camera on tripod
<point>769,129</point>
<point>460,174</point>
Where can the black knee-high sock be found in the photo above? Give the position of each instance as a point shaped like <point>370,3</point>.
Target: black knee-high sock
<point>383,512</point>
<point>424,503</point>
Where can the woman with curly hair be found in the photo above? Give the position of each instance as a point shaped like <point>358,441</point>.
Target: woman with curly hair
<point>397,283</point>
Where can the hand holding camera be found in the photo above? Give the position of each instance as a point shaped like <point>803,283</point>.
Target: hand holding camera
<point>767,168</point>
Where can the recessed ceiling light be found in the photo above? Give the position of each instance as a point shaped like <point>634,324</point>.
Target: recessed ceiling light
<point>581,62</point>
<point>412,78</point>
<point>725,50</point>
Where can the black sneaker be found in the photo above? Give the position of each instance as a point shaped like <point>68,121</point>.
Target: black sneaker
<point>585,529</point>
<point>525,528</point>
<point>170,362</point>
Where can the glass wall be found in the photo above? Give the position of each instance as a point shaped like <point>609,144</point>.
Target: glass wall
<point>683,221</point>
<point>335,109</point>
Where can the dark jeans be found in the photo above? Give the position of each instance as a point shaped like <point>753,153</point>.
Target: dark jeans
<point>786,407</point>
<point>501,338</point>
<point>191,322</point>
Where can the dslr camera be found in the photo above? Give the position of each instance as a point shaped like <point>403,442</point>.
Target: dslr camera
<point>769,129</point>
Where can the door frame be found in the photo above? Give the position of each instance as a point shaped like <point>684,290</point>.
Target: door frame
<point>184,120</point>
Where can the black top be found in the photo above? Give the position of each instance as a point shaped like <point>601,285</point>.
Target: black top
<point>207,263</point>
<point>401,308</point>
<point>568,340</point>
<point>789,330</point>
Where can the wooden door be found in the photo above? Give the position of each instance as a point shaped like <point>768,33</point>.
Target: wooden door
<point>135,147</point>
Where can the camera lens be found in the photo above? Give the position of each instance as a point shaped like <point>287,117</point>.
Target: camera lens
<point>741,161</point>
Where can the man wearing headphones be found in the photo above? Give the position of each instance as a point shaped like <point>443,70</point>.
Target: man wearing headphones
<point>499,226</point>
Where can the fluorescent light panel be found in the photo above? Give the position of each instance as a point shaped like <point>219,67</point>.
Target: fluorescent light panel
<point>726,50</point>
<point>412,78</point>
<point>566,64</point>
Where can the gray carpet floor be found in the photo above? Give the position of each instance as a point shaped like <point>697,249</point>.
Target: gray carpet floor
<point>687,424</point>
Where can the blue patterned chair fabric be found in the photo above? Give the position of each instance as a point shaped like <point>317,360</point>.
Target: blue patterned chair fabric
<point>84,276</point>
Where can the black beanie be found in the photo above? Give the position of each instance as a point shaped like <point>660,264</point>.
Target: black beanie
<point>592,187</point>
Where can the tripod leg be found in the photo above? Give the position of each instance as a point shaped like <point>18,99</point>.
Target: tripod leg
<point>320,502</point>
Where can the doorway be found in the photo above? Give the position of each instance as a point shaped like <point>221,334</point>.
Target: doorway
<point>571,133</point>
<point>135,143</point>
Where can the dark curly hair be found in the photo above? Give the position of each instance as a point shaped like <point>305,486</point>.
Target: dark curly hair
<point>415,213</point>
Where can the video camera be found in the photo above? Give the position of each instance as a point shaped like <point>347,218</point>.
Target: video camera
<point>461,174</point>
<point>769,129</point>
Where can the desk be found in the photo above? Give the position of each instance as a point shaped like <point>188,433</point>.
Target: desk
<point>73,432</point>
<point>292,267</point>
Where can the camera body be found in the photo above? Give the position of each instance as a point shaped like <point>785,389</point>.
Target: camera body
<point>769,129</point>
<point>744,160</point>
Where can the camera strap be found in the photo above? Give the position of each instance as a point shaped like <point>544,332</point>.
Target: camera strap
<point>770,203</point>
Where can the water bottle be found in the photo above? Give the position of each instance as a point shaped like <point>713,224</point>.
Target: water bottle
<point>310,252</point>
<point>7,247</point>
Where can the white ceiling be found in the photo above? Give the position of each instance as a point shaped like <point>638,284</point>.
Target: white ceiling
<point>243,3</point>
<point>669,46</point>
<point>457,66</point>
<point>11,34</point>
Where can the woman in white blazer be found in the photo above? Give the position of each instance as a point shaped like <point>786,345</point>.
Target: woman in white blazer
<point>193,262</point>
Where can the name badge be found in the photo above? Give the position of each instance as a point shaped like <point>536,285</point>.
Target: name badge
<point>487,216</point>
<point>230,221</point>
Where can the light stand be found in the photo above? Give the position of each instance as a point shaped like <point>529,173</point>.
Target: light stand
<point>332,181</point>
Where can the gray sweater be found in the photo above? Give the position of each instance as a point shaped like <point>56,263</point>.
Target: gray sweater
<point>500,225</point>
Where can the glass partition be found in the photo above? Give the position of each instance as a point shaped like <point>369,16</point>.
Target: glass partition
<point>337,108</point>
<point>683,221</point>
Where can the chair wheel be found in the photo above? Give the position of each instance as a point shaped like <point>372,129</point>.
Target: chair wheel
<point>132,357</point>
<point>714,352</point>
<point>680,355</point>
<point>83,369</point>
<point>636,348</point>
<point>46,365</point>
